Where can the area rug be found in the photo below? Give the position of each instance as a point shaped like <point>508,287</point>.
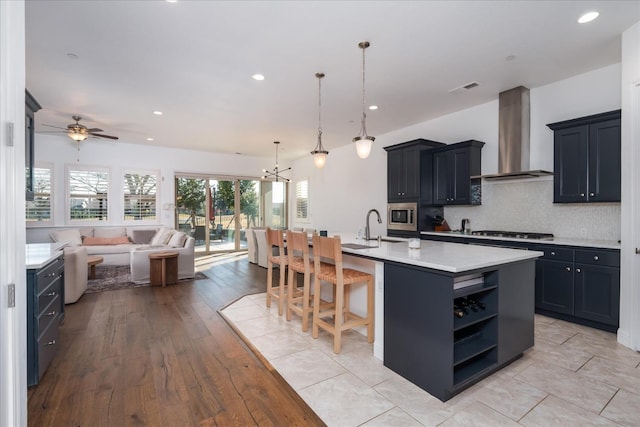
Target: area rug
<point>115,277</point>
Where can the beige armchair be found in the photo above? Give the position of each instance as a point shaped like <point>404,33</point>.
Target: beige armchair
<point>76,271</point>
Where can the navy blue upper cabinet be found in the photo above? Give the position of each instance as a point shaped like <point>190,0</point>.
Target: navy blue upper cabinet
<point>403,169</point>
<point>587,159</point>
<point>453,168</point>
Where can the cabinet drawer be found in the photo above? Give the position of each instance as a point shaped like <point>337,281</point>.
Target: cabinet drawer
<point>48,295</point>
<point>49,314</point>
<point>598,257</point>
<point>47,347</point>
<point>48,274</point>
<point>556,254</point>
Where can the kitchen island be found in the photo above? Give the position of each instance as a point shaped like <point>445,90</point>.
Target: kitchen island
<point>418,334</point>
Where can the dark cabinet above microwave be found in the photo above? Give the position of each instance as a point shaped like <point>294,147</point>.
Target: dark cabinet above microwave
<point>453,168</point>
<point>403,169</point>
<point>587,159</point>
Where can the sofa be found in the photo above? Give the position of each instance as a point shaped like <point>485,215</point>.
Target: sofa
<point>131,246</point>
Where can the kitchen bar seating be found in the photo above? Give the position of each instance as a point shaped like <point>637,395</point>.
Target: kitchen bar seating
<point>337,317</point>
<point>299,299</point>
<point>276,238</point>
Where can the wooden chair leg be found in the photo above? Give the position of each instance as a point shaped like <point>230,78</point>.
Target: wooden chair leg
<point>316,307</point>
<point>370,309</point>
<point>305,302</point>
<point>290,291</point>
<point>338,318</point>
<point>269,282</point>
<point>281,294</point>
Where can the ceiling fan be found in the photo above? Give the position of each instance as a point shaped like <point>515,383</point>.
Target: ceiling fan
<point>79,132</point>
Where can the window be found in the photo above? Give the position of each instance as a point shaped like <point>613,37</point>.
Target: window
<point>302,201</point>
<point>38,210</point>
<point>141,196</point>
<point>88,194</point>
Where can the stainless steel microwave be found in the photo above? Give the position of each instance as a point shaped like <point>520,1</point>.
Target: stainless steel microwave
<point>402,216</point>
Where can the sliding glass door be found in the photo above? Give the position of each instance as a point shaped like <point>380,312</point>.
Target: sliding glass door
<point>216,211</point>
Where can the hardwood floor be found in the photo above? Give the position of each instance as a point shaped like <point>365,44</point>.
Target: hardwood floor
<point>164,356</point>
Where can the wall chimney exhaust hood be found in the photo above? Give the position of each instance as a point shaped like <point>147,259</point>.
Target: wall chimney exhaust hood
<point>513,134</point>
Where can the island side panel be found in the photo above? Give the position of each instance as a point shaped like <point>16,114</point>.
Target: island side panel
<point>516,310</point>
<point>418,324</point>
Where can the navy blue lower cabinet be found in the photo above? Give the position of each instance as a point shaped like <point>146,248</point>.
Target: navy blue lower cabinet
<point>597,293</point>
<point>554,286</point>
<point>445,335</point>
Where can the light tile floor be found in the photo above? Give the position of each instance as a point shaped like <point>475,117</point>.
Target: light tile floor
<point>573,376</point>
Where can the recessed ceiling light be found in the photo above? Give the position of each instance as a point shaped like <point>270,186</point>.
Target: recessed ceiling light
<point>258,77</point>
<point>373,107</point>
<point>149,139</point>
<point>171,1</point>
<point>158,113</point>
<point>588,17</point>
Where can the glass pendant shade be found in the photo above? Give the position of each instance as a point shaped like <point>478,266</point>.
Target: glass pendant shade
<point>363,146</point>
<point>319,159</point>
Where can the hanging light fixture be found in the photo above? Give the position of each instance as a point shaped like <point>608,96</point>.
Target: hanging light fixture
<point>363,141</point>
<point>275,173</point>
<point>319,153</point>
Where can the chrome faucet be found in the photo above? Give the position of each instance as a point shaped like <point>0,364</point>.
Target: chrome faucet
<point>367,230</point>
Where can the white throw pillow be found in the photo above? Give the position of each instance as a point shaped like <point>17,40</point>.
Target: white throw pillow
<point>70,237</point>
<point>162,236</point>
<point>177,240</point>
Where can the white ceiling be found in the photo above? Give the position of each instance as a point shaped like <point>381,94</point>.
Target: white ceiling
<point>194,60</point>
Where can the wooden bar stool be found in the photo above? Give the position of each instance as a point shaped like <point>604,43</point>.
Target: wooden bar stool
<point>299,299</point>
<point>340,317</point>
<point>275,238</point>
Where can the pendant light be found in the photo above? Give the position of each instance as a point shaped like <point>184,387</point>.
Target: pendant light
<point>363,141</point>
<point>275,173</point>
<point>319,153</point>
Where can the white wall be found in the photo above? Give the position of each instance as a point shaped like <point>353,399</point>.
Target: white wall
<point>62,151</point>
<point>629,332</point>
<point>13,321</point>
<point>342,193</point>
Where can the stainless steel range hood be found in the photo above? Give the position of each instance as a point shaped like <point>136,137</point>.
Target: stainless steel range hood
<point>513,134</point>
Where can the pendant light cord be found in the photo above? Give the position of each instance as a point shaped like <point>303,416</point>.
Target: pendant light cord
<point>320,105</point>
<point>363,125</point>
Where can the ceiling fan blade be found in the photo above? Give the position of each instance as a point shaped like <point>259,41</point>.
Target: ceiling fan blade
<point>52,126</point>
<point>94,130</point>
<point>103,136</point>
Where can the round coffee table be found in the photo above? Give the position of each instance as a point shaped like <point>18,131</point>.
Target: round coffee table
<point>93,260</point>
<point>163,268</point>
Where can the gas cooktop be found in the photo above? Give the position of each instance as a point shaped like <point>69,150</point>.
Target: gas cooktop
<point>513,234</point>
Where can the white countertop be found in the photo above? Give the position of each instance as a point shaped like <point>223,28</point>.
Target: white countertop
<point>40,254</point>
<point>450,257</point>
<point>603,244</point>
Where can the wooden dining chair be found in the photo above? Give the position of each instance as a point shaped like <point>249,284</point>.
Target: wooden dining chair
<point>337,317</point>
<point>275,239</point>
<point>299,298</point>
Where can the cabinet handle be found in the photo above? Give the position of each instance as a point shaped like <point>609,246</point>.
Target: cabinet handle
<point>581,194</point>
<point>568,268</point>
<point>577,270</point>
<point>596,257</point>
<point>51,294</point>
<point>52,342</point>
<point>553,254</point>
<point>51,313</point>
<point>592,194</point>
<point>50,275</point>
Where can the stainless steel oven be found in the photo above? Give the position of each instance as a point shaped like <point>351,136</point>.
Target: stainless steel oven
<point>402,216</point>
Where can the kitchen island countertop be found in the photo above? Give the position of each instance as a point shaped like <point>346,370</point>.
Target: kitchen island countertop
<point>37,255</point>
<point>449,257</point>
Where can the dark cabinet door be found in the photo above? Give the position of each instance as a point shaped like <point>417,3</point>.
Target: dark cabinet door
<point>441,183</point>
<point>394,172</point>
<point>604,161</point>
<point>411,163</point>
<point>554,286</point>
<point>570,164</point>
<point>460,177</point>
<point>597,293</point>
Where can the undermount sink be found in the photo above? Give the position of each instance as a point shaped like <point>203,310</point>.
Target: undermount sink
<point>357,246</point>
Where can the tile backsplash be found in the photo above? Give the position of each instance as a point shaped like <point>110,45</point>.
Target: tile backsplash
<point>527,205</point>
